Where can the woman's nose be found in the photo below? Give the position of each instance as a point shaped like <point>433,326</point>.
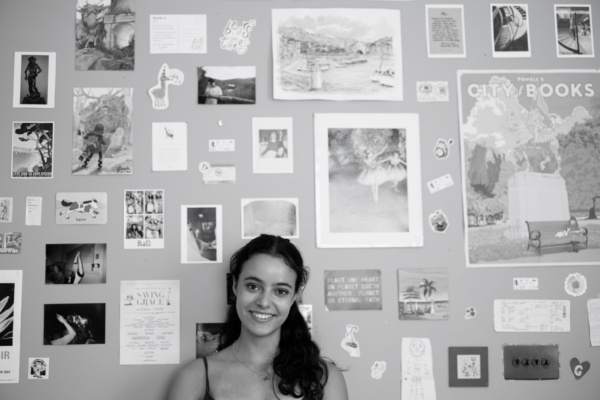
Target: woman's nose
<point>263,299</point>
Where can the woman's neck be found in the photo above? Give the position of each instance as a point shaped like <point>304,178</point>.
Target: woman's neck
<point>261,350</point>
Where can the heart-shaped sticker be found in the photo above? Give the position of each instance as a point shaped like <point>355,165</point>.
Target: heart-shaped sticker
<point>579,369</point>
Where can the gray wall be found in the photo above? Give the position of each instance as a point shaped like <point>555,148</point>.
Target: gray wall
<point>93,372</point>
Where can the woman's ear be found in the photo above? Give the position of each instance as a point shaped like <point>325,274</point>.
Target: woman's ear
<point>234,287</point>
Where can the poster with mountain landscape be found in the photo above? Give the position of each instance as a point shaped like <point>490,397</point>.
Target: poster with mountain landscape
<point>530,166</point>
<point>337,54</point>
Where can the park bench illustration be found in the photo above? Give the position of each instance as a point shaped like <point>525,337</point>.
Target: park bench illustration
<point>556,233</point>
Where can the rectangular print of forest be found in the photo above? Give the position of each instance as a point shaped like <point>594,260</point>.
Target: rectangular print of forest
<point>531,167</point>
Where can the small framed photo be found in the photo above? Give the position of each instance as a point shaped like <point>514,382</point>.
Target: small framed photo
<point>34,80</point>
<point>272,146</point>
<point>368,180</point>
<point>468,366</point>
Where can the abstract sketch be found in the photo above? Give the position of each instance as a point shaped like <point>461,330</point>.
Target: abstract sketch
<point>337,54</point>
<point>105,35</point>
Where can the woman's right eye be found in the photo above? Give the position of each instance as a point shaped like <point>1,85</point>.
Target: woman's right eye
<point>252,287</point>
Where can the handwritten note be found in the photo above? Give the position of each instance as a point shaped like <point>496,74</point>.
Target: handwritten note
<point>445,31</point>
<point>353,290</point>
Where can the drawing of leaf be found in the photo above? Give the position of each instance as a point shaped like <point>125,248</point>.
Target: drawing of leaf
<point>5,318</point>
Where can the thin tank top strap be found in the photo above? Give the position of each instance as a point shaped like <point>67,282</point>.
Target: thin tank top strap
<point>207,395</point>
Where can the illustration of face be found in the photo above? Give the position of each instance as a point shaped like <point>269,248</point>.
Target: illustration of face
<point>273,136</point>
<point>417,348</point>
<point>265,294</point>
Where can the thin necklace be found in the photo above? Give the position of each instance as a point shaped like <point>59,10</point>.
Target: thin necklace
<point>264,377</point>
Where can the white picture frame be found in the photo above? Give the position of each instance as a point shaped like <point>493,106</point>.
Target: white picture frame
<point>349,211</point>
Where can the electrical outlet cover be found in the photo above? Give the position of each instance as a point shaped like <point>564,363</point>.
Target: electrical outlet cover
<point>531,362</point>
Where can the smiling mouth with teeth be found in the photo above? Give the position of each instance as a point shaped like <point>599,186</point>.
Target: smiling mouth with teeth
<point>262,316</point>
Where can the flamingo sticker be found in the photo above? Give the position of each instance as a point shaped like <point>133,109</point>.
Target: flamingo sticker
<point>160,92</point>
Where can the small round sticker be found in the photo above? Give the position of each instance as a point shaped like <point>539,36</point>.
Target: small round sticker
<point>575,284</point>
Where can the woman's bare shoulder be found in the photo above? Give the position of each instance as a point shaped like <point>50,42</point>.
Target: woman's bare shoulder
<point>335,388</point>
<point>189,382</point>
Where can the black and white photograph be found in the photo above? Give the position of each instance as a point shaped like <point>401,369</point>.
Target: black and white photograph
<point>272,146</point>
<point>105,35</point>
<point>227,85</point>
<point>144,219</point>
<point>102,131</point>
<point>10,242</point>
<point>337,54</point>
<point>510,30</point>
<point>32,150</point>
<point>201,234</point>
<point>75,263</point>
<point>368,180</point>
<point>74,323</point>
<point>271,216</point>
<point>208,338</point>
<point>81,208</point>
<point>34,80</point>
<point>573,27</point>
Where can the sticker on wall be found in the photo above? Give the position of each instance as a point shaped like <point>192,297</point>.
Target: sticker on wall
<point>377,369</point>
<point>349,342</point>
<point>214,174</point>
<point>432,91</point>
<point>440,183</point>
<point>526,284</point>
<point>438,221</point>
<point>575,284</point>
<point>160,93</point>
<point>6,209</point>
<point>81,208</point>
<point>470,313</point>
<point>442,148</point>
<point>236,37</point>
<point>39,368</point>
<point>10,242</point>
<point>579,369</point>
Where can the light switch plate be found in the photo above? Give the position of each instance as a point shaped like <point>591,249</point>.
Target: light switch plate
<point>531,362</point>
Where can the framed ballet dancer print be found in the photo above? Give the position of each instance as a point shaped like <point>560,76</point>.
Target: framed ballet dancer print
<point>368,180</point>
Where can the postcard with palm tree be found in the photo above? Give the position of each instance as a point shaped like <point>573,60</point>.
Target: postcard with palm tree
<point>423,294</point>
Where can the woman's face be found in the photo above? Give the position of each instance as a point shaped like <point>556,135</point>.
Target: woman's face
<point>265,294</point>
<point>273,136</point>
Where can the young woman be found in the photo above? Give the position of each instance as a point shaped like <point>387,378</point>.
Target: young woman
<point>266,351</point>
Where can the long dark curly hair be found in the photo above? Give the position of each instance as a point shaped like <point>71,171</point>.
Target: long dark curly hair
<point>298,363</point>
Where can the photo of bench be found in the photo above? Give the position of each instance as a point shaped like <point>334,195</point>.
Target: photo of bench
<point>556,233</point>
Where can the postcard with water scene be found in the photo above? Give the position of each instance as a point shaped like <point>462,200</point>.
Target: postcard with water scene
<point>423,294</point>
<point>337,54</point>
